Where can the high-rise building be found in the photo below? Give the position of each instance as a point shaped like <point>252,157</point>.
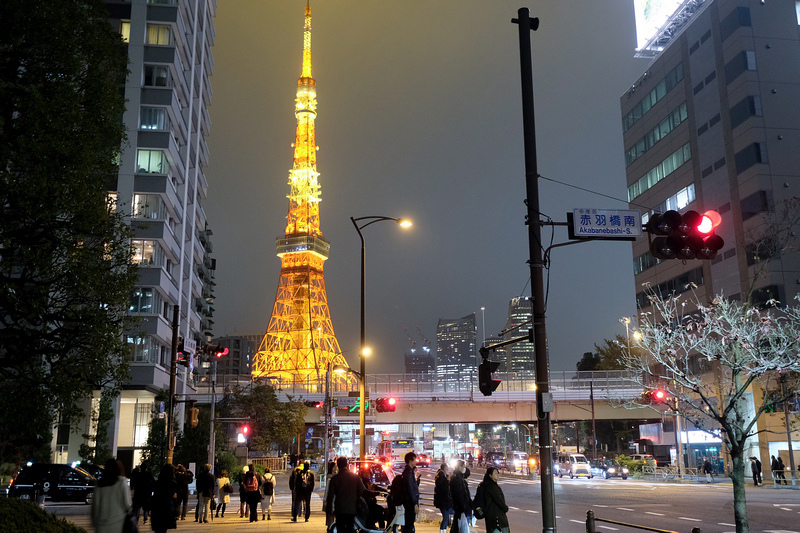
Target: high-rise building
<point>519,356</point>
<point>160,185</point>
<point>237,364</point>
<point>456,348</point>
<point>300,341</point>
<point>712,124</point>
<point>499,355</point>
<point>420,363</point>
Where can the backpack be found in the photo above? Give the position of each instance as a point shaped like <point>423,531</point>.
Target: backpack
<point>269,485</point>
<point>479,503</point>
<point>189,477</point>
<point>397,491</point>
<point>250,483</point>
<point>305,480</point>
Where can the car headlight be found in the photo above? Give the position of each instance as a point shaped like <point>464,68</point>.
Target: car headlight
<point>611,470</point>
<point>624,470</point>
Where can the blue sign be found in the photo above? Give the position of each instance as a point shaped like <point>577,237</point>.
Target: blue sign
<point>607,223</point>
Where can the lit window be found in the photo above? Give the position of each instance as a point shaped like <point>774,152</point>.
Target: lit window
<point>147,253</point>
<point>149,206</point>
<point>154,118</point>
<point>142,300</point>
<point>159,34</point>
<point>152,161</point>
<point>125,31</point>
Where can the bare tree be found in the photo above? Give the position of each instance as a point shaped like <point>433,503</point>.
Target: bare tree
<point>719,362</point>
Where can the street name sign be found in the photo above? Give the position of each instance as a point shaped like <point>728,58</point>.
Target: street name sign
<point>606,224</point>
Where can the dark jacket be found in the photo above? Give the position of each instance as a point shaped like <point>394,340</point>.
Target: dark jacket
<point>459,492</point>
<point>345,488</point>
<point>755,466</point>
<point>496,507</point>
<point>293,479</point>
<point>707,468</point>
<point>441,491</point>
<point>162,514</point>
<point>410,486</point>
<point>205,484</point>
<point>183,479</point>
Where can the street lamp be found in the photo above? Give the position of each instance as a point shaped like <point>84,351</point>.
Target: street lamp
<point>336,369</point>
<point>361,223</point>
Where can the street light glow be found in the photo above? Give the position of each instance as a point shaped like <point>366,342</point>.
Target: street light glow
<point>404,222</point>
<point>366,351</point>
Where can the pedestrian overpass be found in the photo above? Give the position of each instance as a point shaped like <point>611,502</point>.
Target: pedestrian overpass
<point>428,399</point>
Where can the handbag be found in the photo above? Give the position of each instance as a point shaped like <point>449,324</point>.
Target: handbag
<point>213,504</point>
<point>400,515</point>
<point>130,524</point>
<point>227,489</point>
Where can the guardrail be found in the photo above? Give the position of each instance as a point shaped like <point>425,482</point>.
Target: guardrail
<point>591,519</point>
<point>670,472</point>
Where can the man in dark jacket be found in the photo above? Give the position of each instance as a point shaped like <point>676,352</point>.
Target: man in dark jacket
<point>411,487</point>
<point>205,493</point>
<point>306,487</point>
<point>495,507</point>
<point>755,467</point>
<point>459,492</point>
<point>441,496</point>
<point>183,478</point>
<point>343,492</point>
<point>294,488</point>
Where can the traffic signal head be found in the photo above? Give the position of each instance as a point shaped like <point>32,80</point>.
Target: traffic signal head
<point>687,236</point>
<point>486,383</point>
<point>659,395</point>
<point>219,351</point>
<point>385,405</point>
<point>313,403</point>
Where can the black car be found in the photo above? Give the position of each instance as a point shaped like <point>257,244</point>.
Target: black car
<point>56,482</point>
<point>608,468</point>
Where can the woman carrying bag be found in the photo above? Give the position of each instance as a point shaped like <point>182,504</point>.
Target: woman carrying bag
<point>224,491</point>
<point>494,502</point>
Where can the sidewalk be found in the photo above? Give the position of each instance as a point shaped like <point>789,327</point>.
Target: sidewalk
<point>231,523</point>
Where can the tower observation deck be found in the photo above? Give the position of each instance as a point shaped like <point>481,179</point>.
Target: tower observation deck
<point>300,342</point>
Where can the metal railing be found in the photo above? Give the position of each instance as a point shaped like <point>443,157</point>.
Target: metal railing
<point>591,519</point>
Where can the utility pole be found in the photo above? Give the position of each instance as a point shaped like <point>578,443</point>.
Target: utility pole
<point>544,399</point>
<point>212,433</point>
<point>173,368</point>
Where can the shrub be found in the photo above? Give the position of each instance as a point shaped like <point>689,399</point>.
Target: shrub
<point>21,516</point>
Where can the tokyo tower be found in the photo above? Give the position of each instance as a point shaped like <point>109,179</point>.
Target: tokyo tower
<point>300,342</point>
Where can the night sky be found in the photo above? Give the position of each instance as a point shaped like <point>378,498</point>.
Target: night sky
<point>419,116</point>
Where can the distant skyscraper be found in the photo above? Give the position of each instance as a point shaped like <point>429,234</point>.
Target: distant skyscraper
<point>499,354</point>
<point>456,347</point>
<point>519,356</point>
<point>420,362</point>
<point>237,364</point>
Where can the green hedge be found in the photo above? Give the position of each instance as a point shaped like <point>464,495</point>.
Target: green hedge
<point>23,516</point>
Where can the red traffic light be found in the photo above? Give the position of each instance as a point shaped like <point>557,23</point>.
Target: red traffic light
<point>221,351</point>
<point>391,401</point>
<point>245,430</point>
<point>659,395</point>
<point>687,236</point>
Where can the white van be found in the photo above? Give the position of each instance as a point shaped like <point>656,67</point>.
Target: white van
<point>574,464</point>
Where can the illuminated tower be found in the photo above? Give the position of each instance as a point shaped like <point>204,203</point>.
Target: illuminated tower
<point>300,342</point>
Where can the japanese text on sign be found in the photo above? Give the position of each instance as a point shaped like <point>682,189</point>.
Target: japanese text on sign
<point>607,223</point>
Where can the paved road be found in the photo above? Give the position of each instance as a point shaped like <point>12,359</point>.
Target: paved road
<point>664,505</point>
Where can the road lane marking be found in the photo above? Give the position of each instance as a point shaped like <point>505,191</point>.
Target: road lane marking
<point>609,527</point>
<point>513,508</point>
<point>577,521</point>
<point>657,514</point>
<point>531,511</point>
<point>624,509</point>
<point>724,524</point>
<point>691,519</point>
<point>598,505</point>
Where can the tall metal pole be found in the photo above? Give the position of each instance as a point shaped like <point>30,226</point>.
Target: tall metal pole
<point>594,426</point>
<point>526,25</point>
<point>173,368</point>
<point>326,443</point>
<point>212,434</point>
<point>362,445</point>
<point>788,429</point>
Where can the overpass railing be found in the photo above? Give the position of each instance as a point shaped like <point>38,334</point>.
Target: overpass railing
<point>564,385</point>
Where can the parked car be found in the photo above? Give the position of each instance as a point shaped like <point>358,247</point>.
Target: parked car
<point>608,468</point>
<point>574,464</point>
<point>648,459</point>
<point>57,482</point>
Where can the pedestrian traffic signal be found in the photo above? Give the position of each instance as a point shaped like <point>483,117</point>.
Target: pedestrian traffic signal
<point>385,405</point>
<point>219,351</point>
<point>487,384</point>
<point>194,417</point>
<point>687,236</point>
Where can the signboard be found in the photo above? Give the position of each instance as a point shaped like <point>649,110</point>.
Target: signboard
<point>650,16</point>
<point>190,345</point>
<point>606,224</point>
<point>357,394</point>
<point>347,402</point>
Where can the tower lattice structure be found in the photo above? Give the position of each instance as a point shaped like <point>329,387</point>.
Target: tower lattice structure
<point>300,342</point>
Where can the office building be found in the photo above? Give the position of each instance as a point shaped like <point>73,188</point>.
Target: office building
<point>519,356</point>
<point>456,348</point>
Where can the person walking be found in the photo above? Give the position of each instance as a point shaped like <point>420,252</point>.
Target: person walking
<point>164,509</point>
<point>251,484</point>
<point>755,467</point>
<point>267,492</point>
<point>459,493</point>
<point>223,492</point>
<point>294,487</point>
<point>306,488</point>
<point>244,509</point>
<point>411,492</point>
<point>183,478</point>
<point>781,470</point>
<point>774,470</point>
<point>111,500</point>
<point>142,487</point>
<point>205,493</point>
<point>708,470</point>
<point>494,502</point>
<point>345,489</point>
<point>332,471</point>
<point>441,496</point>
